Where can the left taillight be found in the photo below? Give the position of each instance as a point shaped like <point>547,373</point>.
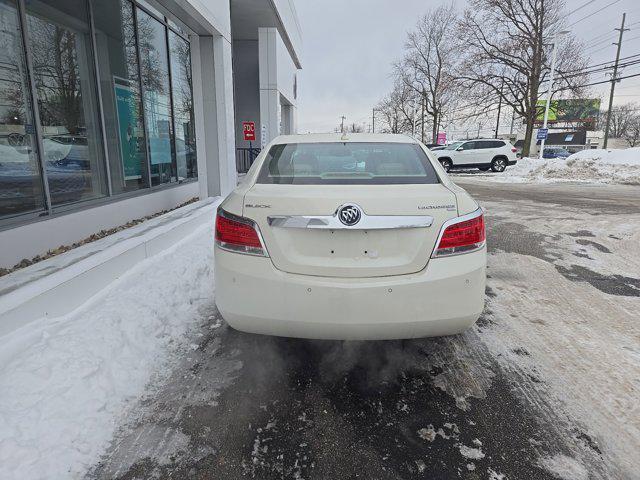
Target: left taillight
<point>461,235</point>
<point>238,234</point>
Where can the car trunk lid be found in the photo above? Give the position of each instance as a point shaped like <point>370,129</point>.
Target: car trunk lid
<point>367,249</point>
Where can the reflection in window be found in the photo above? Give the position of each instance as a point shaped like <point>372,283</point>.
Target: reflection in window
<point>20,182</point>
<point>185,140</point>
<point>156,97</point>
<point>60,43</point>
<point>122,102</point>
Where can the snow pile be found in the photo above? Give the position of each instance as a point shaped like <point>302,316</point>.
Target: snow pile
<point>602,166</point>
<point>592,166</point>
<point>66,382</point>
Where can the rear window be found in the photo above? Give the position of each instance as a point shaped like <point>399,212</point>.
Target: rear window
<point>350,163</point>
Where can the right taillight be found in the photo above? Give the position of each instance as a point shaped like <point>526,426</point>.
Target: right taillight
<point>514,150</point>
<point>461,235</point>
<point>238,234</point>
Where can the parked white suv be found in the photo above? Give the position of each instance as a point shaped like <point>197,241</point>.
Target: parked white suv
<point>483,154</point>
<point>358,236</point>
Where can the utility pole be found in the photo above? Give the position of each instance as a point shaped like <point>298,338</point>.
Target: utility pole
<point>499,108</point>
<point>373,120</point>
<point>413,119</point>
<point>342,123</point>
<point>513,121</point>
<point>479,127</point>
<point>423,100</point>
<point>613,80</point>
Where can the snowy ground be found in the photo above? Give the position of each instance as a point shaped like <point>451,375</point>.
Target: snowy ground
<point>148,382</point>
<point>574,300</point>
<point>588,166</point>
<point>66,383</point>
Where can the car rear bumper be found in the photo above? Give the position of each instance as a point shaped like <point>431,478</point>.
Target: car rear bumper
<point>443,299</point>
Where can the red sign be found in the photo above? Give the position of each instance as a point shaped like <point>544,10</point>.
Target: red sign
<point>442,138</point>
<point>249,129</point>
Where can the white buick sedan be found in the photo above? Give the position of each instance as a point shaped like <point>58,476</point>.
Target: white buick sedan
<point>355,236</point>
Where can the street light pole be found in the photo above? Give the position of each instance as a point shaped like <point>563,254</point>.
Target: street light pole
<point>554,55</point>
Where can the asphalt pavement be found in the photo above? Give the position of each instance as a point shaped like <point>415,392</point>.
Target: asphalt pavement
<point>247,406</point>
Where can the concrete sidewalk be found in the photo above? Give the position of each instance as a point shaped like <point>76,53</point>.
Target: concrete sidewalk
<point>58,285</point>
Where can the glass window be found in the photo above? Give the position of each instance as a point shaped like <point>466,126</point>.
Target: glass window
<point>347,164</point>
<point>469,146</point>
<point>21,188</point>
<point>156,97</point>
<point>185,139</point>
<point>122,102</point>
<point>453,146</point>
<point>63,67</point>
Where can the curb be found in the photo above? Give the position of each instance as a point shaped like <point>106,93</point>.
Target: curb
<point>65,290</point>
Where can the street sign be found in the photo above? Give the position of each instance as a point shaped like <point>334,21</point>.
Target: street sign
<point>249,130</point>
<point>543,133</point>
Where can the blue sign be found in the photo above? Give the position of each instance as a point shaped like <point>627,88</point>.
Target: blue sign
<point>543,133</point>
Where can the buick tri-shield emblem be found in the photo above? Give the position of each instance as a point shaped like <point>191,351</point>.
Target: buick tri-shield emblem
<point>349,214</point>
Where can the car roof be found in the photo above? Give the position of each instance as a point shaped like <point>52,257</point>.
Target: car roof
<point>484,139</point>
<point>344,137</point>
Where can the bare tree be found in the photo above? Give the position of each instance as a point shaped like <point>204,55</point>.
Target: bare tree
<point>632,133</point>
<point>622,118</point>
<point>397,109</point>
<point>355,128</point>
<point>427,67</point>
<point>508,45</point>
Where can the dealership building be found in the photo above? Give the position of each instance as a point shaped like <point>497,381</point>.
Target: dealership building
<point>112,110</point>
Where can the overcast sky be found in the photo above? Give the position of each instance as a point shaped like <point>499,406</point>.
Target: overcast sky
<point>350,46</point>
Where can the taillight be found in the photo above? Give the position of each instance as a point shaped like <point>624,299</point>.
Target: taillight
<point>461,235</point>
<point>514,150</point>
<point>238,234</point>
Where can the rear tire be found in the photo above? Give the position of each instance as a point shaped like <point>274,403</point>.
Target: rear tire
<point>446,164</point>
<point>484,169</point>
<point>498,164</point>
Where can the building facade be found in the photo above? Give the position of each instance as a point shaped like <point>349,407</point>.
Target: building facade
<point>112,110</point>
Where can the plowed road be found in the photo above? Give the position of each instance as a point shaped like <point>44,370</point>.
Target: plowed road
<point>546,385</point>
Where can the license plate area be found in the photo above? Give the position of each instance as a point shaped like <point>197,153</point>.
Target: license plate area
<point>351,249</point>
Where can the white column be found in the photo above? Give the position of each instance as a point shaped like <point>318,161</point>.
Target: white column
<point>213,109</point>
<point>268,72</point>
<point>226,114</point>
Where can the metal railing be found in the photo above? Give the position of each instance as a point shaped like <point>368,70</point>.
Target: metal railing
<point>245,158</point>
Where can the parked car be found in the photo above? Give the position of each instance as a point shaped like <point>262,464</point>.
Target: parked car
<point>483,154</point>
<point>359,236</point>
<point>555,152</point>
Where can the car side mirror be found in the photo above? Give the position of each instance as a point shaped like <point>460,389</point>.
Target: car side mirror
<point>459,149</point>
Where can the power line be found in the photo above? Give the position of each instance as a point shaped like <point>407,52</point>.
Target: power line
<point>603,63</point>
<point>592,14</point>
<point>597,70</point>
<point>610,37</point>
<point>581,7</point>
<point>600,49</point>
